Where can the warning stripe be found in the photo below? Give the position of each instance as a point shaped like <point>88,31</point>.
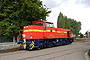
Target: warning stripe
<point>34,30</point>
<point>32,45</point>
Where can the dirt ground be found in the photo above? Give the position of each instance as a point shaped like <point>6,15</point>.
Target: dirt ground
<point>82,40</point>
<point>9,50</point>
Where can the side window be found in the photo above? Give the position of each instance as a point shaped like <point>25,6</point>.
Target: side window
<point>49,25</point>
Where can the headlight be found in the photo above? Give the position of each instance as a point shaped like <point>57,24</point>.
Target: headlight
<point>31,35</point>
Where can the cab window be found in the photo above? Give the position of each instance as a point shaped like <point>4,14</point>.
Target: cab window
<point>49,25</point>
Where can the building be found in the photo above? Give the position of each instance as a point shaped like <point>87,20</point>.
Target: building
<point>88,33</point>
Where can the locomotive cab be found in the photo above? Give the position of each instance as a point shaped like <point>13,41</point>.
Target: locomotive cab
<point>44,24</point>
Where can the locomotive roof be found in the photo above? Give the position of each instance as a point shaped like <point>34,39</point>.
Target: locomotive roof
<point>40,21</point>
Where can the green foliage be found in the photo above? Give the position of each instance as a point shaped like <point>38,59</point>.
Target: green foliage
<point>68,23</point>
<point>14,14</point>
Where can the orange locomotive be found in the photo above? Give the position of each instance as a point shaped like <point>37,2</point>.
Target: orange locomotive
<point>43,34</point>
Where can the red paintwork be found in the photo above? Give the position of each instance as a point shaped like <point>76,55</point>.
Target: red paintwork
<point>44,35</point>
<point>40,21</point>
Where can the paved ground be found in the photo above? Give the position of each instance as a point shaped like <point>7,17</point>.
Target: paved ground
<point>74,51</point>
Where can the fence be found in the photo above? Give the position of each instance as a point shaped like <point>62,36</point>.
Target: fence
<point>4,46</point>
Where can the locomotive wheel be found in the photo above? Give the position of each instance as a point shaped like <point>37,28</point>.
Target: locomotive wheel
<point>31,46</point>
<point>40,47</point>
<point>21,46</point>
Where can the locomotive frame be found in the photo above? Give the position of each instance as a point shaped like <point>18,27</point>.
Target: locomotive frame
<point>43,34</point>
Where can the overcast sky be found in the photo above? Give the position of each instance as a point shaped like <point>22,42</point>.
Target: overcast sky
<point>75,9</point>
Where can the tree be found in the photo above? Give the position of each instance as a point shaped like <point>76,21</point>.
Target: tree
<point>61,21</point>
<point>14,14</point>
<point>68,23</point>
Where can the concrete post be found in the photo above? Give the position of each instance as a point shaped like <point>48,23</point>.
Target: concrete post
<point>13,39</point>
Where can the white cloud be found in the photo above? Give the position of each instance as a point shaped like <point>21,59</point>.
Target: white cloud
<point>51,4</point>
<point>86,3</point>
<point>72,10</point>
